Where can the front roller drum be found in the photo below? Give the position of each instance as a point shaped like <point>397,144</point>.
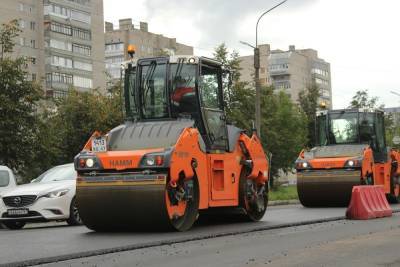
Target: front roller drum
<point>326,188</point>
<point>135,207</point>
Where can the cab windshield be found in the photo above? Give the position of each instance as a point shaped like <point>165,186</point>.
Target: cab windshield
<point>152,90</point>
<point>343,128</point>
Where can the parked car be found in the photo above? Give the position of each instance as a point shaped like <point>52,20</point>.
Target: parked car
<point>49,197</point>
<point>7,180</point>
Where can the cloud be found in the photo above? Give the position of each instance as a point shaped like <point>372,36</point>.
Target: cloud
<point>212,21</point>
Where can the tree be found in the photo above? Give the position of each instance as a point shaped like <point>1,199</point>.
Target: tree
<point>284,129</point>
<point>230,62</point>
<point>308,100</point>
<point>18,105</point>
<point>362,100</point>
<point>284,126</point>
<point>79,115</point>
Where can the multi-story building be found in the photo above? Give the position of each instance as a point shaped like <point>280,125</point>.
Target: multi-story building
<point>291,71</point>
<point>63,40</point>
<point>146,43</point>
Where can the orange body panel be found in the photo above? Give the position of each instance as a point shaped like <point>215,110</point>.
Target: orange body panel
<point>121,160</point>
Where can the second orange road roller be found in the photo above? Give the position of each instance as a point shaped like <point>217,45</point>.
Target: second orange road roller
<point>174,156</point>
<point>351,150</point>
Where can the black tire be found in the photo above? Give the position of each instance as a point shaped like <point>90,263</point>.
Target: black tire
<point>254,210</point>
<point>74,218</point>
<point>391,197</point>
<point>14,225</point>
<point>185,222</point>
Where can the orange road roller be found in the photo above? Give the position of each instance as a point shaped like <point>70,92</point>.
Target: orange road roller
<point>351,150</point>
<point>174,156</point>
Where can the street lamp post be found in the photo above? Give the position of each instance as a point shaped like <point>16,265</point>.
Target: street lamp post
<point>396,138</point>
<point>257,72</point>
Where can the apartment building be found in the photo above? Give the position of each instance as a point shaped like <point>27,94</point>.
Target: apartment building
<point>291,71</point>
<point>62,40</point>
<point>147,44</point>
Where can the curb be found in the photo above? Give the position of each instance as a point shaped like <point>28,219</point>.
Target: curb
<point>283,202</point>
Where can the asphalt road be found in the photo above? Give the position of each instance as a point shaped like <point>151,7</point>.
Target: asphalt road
<point>338,243</point>
<point>39,244</point>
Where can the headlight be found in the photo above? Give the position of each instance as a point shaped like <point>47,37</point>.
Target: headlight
<point>301,165</point>
<point>89,163</point>
<point>153,160</point>
<point>150,161</point>
<point>350,163</point>
<point>353,163</point>
<point>57,193</point>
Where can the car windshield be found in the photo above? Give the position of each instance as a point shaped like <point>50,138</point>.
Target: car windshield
<point>4,178</point>
<point>59,173</point>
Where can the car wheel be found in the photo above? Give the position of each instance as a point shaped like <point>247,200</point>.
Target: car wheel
<point>74,218</point>
<point>14,225</point>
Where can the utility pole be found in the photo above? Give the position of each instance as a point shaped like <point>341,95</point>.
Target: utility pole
<point>257,72</point>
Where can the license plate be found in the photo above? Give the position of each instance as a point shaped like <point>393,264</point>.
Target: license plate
<point>17,212</point>
<point>99,144</point>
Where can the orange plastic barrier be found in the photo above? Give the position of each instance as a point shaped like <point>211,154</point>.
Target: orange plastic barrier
<point>368,202</point>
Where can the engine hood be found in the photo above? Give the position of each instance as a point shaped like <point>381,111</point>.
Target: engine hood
<point>146,135</point>
<point>39,188</point>
<point>336,151</point>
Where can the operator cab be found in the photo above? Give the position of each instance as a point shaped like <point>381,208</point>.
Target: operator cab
<point>354,126</point>
<point>168,88</point>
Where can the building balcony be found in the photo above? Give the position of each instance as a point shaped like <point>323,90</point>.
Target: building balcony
<point>278,72</point>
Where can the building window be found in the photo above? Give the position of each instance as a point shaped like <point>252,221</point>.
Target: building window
<point>81,49</point>
<point>81,33</point>
<point>33,43</point>
<point>61,28</point>
<point>83,65</point>
<point>278,66</point>
<point>21,23</point>
<point>22,41</point>
<point>325,93</point>
<point>33,76</point>
<point>25,8</point>
<point>61,62</point>
<point>57,10</point>
<point>80,16</point>
<point>60,45</point>
<point>82,82</point>
<point>33,60</point>
<point>321,81</point>
<point>282,85</point>
<point>33,25</point>
<point>320,72</point>
<point>57,77</point>
<point>60,94</point>
<point>81,2</point>
<point>115,47</point>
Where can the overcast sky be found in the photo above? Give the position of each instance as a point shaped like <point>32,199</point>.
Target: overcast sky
<point>360,38</point>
